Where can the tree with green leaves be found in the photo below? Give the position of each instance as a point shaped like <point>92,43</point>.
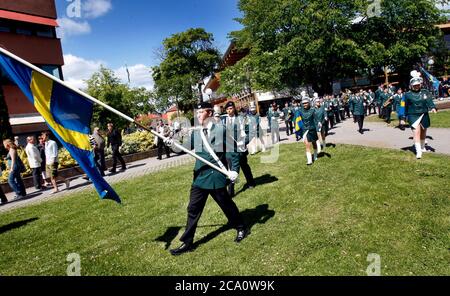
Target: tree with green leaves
<point>401,35</point>
<point>107,87</point>
<point>314,42</point>
<point>188,57</point>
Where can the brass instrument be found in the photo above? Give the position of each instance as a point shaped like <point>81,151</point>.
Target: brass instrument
<point>388,101</point>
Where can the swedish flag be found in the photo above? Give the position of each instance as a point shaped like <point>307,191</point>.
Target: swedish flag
<point>67,114</point>
<point>298,123</point>
<point>401,111</point>
<point>433,80</point>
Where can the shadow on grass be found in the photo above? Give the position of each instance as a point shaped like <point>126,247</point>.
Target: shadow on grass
<point>259,215</point>
<point>323,154</point>
<point>261,180</point>
<point>170,234</point>
<point>15,225</point>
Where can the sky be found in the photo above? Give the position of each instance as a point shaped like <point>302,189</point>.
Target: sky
<point>115,33</point>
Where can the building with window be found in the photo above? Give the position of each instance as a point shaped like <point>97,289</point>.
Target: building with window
<point>28,29</point>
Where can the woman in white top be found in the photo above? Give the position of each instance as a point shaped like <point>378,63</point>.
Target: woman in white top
<point>35,160</point>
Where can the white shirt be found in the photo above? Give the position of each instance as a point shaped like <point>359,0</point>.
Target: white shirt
<point>51,152</point>
<point>33,155</point>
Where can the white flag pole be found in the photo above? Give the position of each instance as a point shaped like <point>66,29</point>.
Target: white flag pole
<point>94,100</point>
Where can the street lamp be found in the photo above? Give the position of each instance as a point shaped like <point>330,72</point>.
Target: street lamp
<point>200,96</point>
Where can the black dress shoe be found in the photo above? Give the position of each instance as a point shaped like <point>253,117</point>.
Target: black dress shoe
<point>241,234</point>
<point>181,249</point>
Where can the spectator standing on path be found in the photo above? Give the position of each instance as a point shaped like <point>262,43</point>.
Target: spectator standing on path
<point>41,147</point>
<point>51,160</point>
<point>3,199</point>
<point>35,161</point>
<point>165,131</point>
<point>115,141</point>
<point>99,150</point>
<point>16,167</point>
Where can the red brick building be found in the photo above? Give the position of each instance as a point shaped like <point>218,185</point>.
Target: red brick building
<point>28,29</point>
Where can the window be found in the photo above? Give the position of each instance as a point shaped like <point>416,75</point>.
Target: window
<point>5,27</point>
<point>24,31</point>
<point>45,32</point>
<point>51,69</point>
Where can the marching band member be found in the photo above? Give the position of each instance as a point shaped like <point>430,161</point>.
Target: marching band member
<point>397,103</point>
<point>320,125</point>
<point>208,143</point>
<point>418,102</point>
<point>310,133</point>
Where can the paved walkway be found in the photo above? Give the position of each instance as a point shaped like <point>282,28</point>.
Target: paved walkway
<point>381,135</point>
<point>376,135</point>
<point>77,184</point>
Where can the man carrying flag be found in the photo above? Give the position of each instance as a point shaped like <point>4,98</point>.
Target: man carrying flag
<point>66,111</point>
<point>208,142</point>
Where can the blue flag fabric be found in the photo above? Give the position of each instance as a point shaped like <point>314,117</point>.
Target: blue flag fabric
<point>298,121</point>
<point>433,80</point>
<point>402,109</point>
<point>67,114</point>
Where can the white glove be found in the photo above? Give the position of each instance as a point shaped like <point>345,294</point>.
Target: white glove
<point>168,142</point>
<point>233,176</point>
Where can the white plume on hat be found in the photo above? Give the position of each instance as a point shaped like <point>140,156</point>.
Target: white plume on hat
<point>415,74</point>
<point>316,95</point>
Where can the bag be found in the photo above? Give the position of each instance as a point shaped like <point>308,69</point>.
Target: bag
<point>20,165</point>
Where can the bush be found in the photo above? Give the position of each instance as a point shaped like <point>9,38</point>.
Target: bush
<point>140,141</point>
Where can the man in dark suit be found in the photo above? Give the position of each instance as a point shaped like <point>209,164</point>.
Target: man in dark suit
<point>208,142</point>
<point>236,144</point>
<point>115,140</point>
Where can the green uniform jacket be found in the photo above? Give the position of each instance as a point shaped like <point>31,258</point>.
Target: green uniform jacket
<point>378,93</point>
<point>419,102</point>
<point>206,177</point>
<point>384,97</point>
<point>319,114</point>
<point>309,119</point>
<point>328,108</point>
<point>357,105</point>
<point>397,101</point>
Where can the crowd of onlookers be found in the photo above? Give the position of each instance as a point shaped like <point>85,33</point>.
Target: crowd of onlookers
<point>42,157</point>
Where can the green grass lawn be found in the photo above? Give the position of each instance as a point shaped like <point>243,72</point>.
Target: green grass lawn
<point>439,120</point>
<point>319,220</point>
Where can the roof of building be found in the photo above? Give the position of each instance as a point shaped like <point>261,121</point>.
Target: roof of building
<point>10,15</point>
